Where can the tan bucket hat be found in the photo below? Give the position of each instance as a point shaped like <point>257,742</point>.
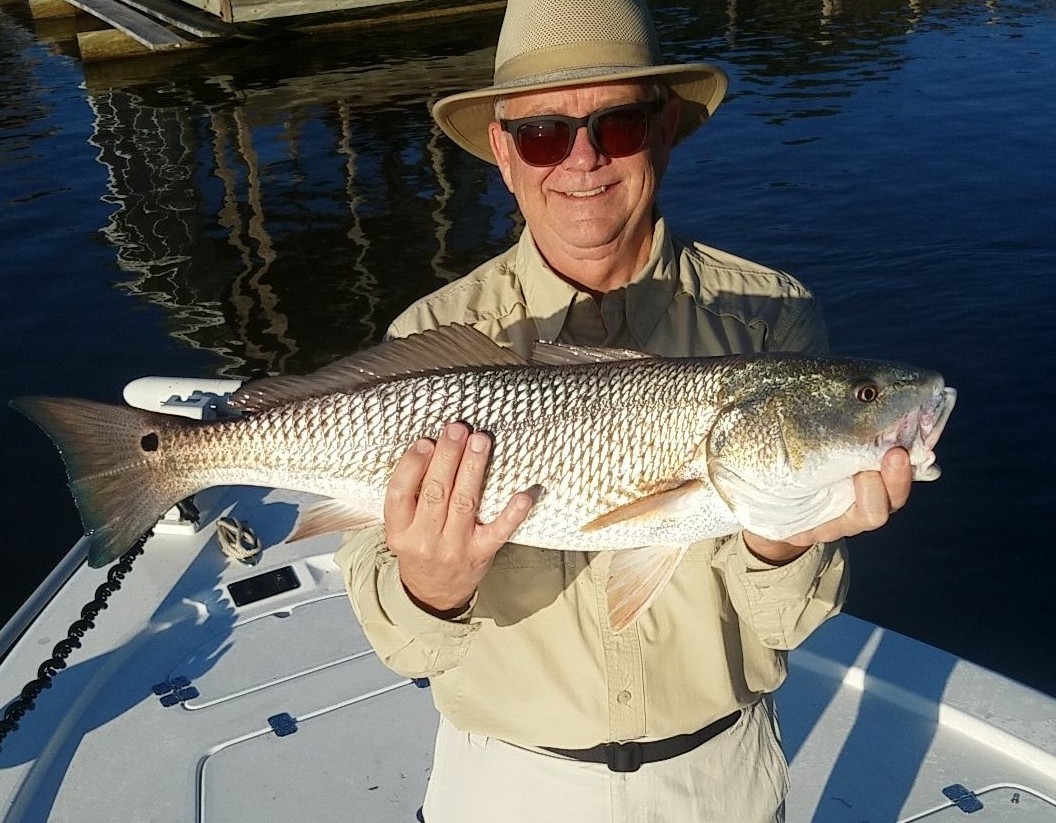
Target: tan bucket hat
<point>547,44</point>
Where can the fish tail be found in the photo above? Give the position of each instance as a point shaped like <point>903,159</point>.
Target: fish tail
<point>115,459</point>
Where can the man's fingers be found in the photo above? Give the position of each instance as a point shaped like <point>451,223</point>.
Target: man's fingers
<point>440,477</point>
<point>897,474</point>
<point>401,496</point>
<point>871,503</point>
<point>469,485</point>
<point>499,530</point>
<point>878,494</point>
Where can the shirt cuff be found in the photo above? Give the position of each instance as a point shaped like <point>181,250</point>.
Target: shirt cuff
<point>755,563</point>
<point>414,620</point>
<point>783,604</point>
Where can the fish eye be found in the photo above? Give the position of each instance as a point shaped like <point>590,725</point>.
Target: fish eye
<point>867,391</point>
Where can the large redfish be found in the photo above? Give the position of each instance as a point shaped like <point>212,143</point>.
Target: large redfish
<point>623,450</point>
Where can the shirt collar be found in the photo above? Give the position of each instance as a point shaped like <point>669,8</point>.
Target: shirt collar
<point>549,297</point>
<point>651,291</point>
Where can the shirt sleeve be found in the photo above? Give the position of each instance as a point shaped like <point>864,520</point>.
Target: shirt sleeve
<point>800,328</point>
<point>407,639</point>
<point>782,605</point>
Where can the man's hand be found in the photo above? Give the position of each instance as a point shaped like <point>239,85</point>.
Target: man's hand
<point>877,495</point>
<point>431,521</point>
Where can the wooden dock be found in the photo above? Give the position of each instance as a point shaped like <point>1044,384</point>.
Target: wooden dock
<point>135,28</point>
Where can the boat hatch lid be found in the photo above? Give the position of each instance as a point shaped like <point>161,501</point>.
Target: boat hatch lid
<point>283,767</point>
<point>274,648</point>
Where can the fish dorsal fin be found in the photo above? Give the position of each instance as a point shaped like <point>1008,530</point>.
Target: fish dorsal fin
<point>447,347</point>
<point>563,354</point>
<point>672,503</point>
<point>636,578</point>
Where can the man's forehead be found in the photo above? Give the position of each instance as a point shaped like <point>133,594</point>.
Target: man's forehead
<point>569,99</point>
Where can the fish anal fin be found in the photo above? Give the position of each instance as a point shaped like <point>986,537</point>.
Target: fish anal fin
<point>670,503</point>
<point>332,516</point>
<point>636,578</point>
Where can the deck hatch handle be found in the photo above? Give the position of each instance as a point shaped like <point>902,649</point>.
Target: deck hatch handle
<point>282,724</point>
<point>965,800</point>
<point>175,690</point>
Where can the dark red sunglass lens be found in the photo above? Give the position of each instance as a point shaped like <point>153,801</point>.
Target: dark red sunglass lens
<point>543,144</point>
<point>621,133</point>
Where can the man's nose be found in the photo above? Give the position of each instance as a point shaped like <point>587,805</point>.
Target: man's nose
<point>584,155</point>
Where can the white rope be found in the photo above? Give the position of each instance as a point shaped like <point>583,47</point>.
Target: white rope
<point>237,540</point>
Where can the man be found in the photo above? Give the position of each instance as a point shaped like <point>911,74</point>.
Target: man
<point>530,681</point>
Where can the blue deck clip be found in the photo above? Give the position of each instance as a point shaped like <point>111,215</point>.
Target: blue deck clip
<point>176,690</point>
<point>965,800</point>
<point>282,724</point>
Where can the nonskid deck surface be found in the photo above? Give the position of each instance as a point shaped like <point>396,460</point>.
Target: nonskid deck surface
<point>182,705</point>
<point>879,727</point>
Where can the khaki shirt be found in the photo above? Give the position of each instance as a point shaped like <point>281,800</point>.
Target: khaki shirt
<point>533,661</point>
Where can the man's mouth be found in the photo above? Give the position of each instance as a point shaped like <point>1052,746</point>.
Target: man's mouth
<point>588,192</point>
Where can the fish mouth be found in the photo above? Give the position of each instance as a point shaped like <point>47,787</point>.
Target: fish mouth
<point>919,431</point>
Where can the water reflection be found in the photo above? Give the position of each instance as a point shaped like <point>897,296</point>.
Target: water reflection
<point>283,223</point>
<point>282,211</point>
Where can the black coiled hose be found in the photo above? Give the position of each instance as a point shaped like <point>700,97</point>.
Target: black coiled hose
<point>27,700</point>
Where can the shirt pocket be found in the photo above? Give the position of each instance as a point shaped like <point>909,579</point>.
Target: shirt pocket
<point>524,580</point>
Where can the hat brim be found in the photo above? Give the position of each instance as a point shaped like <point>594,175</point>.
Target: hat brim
<point>465,117</point>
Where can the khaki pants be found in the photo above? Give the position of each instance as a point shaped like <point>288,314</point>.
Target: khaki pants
<point>740,776</point>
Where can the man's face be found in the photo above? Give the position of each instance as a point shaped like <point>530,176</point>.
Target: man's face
<point>589,206</point>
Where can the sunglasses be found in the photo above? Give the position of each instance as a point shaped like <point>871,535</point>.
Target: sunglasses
<point>618,131</point>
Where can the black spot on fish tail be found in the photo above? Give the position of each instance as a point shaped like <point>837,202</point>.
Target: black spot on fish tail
<point>114,457</point>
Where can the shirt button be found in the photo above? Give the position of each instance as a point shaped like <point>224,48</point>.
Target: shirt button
<point>623,697</point>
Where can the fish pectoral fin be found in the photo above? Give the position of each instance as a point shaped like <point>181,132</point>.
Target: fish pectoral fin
<point>777,517</point>
<point>672,503</point>
<point>332,516</point>
<point>636,578</point>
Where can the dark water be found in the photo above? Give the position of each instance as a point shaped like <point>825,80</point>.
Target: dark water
<point>266,208</point>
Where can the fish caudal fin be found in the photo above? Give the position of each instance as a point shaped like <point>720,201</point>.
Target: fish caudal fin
<point>114,458</point>
<point>636,578</point>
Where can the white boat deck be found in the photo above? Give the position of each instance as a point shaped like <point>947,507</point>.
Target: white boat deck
<point>183,706</point>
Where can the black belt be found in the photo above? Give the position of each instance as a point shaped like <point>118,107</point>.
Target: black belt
<point>628,757</point>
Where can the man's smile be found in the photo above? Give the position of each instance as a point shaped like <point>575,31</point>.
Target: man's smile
<point>587,192</point>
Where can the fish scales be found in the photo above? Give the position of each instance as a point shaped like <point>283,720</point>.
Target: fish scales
<point>621,450</point>
<point>587,435</point>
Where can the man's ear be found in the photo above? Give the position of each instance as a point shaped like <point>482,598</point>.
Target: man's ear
<point>500,147</point>
<point>664,138</point>
<point>669,118</point>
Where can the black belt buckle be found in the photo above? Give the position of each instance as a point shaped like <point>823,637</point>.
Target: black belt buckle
<point>623,757</point>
